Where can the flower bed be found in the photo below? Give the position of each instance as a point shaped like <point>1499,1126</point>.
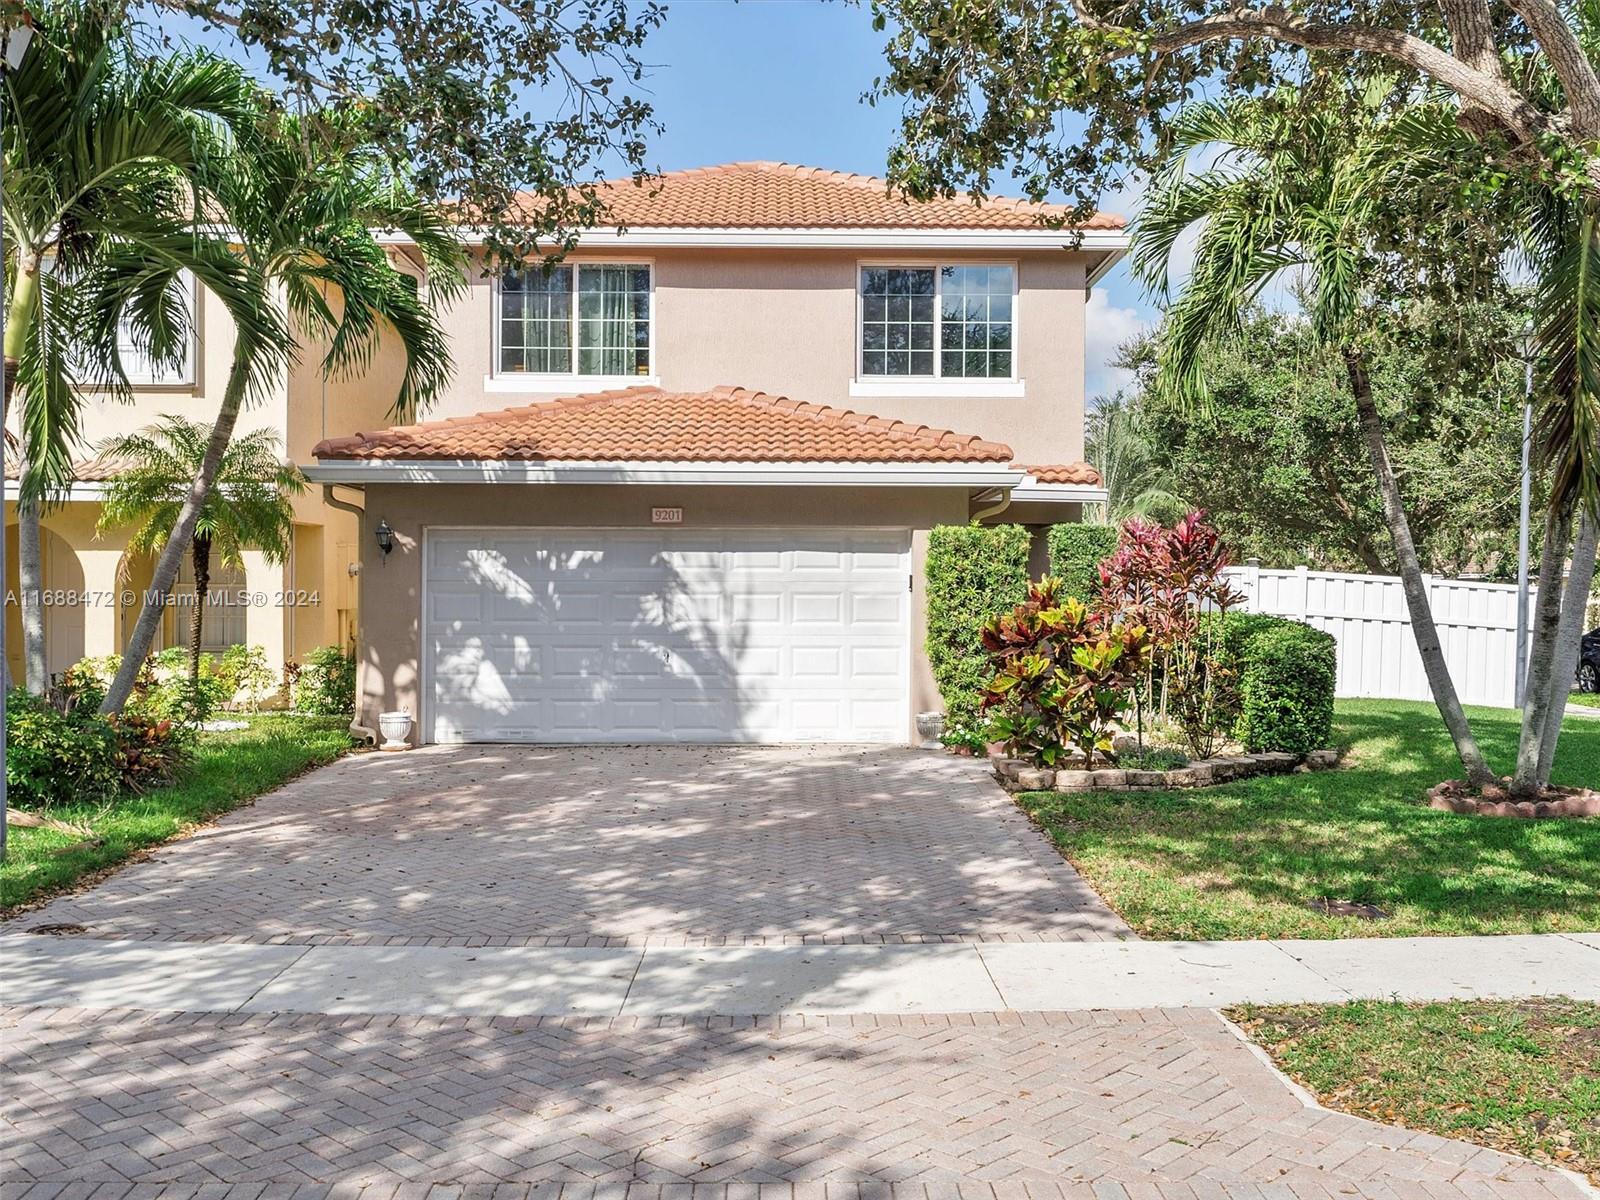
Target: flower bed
<point>1015,775</point>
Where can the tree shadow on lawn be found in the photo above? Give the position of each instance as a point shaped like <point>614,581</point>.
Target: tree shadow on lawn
<point>1244,859</point>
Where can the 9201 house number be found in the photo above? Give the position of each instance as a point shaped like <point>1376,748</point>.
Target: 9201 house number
<point>666,516</point>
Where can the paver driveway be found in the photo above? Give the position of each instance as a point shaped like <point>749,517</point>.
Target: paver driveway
<point>1097,1106</point>
<point>495,845</point>
<point>629,845</point>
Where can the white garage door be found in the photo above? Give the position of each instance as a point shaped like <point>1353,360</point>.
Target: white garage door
<point>667,636</point>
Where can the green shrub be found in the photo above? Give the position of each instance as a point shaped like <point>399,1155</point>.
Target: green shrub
<point>324,684</point>
<point>1285,676</point>
<point>244,676</point>
<point>56,757</point>
<point>973,572</point>
<point>1076,552</point>
<point>149,752</point>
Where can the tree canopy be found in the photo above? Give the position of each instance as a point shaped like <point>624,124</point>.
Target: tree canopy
<point>512,110</point>
<point>1278,459</point>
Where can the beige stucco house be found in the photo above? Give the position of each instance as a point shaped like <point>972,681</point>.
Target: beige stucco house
<point>681,487</point>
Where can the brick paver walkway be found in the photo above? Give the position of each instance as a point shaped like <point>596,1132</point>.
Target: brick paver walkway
<point>1164,1103</point>
<point>630,845</point>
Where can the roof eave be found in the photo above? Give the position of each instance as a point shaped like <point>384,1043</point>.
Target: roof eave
<point>747,474</point>
<point>856,237</point>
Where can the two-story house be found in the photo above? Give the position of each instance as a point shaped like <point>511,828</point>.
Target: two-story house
<point>681,486</point>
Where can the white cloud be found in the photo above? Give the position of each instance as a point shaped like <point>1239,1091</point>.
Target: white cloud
<point>1106,327</point>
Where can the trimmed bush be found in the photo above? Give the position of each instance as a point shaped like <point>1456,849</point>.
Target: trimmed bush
<point>324,685</point>
<point>1076,552</point>
<point>1285,676</point>
<point>973,572</point>
<point>1286,689</point>
<point>55,757</point>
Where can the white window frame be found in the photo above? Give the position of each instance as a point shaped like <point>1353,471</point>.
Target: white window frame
<point>568,382</point>
<point>938,384</point>
<point>186,379</point>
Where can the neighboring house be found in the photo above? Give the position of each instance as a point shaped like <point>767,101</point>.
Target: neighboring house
<point>91,583</point>
<point>681,485</point>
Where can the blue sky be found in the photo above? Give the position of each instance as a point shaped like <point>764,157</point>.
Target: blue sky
<point>781,79</point>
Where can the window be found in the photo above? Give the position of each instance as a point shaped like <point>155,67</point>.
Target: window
<point>601,326</point>
<point>139,367</point>
<point>939,322</point>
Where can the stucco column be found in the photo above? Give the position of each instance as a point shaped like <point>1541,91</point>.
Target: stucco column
<point>265,620</point>
<point>99,562</point>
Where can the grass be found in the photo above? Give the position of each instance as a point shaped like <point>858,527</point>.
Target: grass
<point>1514,1075</point>
<point>1243,860</point>
<point>229,769</point>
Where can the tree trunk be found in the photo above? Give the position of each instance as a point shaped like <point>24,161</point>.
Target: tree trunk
<point>166,572</point>
<point>202,584</point>
<point>1545,628</point>
<point>1411,581</point>
<point>1569,637</point>
<point>30,583</point>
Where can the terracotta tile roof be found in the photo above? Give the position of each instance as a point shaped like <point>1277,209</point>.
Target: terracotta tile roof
<point>646,424</point>
<point>100,469</point>
<point>1077,472</point>
<point>783,195</point>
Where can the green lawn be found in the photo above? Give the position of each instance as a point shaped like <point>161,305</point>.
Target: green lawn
<point>1515,1075</point>
<point>229,769</point>
<point>1242,860</point>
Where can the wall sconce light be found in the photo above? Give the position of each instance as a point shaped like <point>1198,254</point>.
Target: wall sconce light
<point>385,535</point>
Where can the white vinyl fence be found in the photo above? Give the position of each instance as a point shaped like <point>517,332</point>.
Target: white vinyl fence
<point>1367,616</point>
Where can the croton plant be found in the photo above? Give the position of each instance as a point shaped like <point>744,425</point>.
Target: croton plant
<point>1064,675</point>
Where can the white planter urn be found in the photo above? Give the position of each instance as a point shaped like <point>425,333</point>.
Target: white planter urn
<point>396,730</point>
<point>930,727</point>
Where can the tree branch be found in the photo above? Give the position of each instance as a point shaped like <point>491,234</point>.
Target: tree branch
<point>1567,59</point>
<point>1474,86</point>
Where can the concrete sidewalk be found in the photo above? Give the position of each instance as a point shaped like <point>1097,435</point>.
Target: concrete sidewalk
<point>775,980</point>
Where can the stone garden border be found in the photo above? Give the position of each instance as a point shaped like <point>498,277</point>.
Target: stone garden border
<point>1451,796</point>
<point>1015,775</point>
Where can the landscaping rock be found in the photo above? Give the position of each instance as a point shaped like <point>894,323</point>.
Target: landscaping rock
<point>1148,779</point>
<point>1035,779</point>
<point>1073,781</point>
<point>1108,779</point>
<point>1007,768</point>
<point>1322,760</point>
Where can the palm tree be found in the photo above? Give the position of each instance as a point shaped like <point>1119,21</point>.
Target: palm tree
<point>102,149</point>
<point>307,205</point>
<point>1294,187</point>
<point>1136,481</point>
<point>250,506</point>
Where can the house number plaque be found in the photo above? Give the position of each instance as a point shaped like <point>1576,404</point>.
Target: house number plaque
<point>666,516</point>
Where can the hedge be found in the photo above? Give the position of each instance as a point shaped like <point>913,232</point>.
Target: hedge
<point>1076,552</point>
<point>973,571</point>
<point>1286,672</point>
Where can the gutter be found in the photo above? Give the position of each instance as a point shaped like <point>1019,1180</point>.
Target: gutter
<point>960,474</point>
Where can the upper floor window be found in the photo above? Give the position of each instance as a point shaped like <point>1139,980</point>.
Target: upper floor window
<point>575,318</point>
<point>140,367</point>
<point>951,322</point>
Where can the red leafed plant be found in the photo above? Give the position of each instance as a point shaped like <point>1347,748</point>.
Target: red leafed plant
<point>1064,673</point>
<point>1166,579</point>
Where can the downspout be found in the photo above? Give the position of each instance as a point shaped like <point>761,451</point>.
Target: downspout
<point>365,732</point>
<point>998,507</point>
